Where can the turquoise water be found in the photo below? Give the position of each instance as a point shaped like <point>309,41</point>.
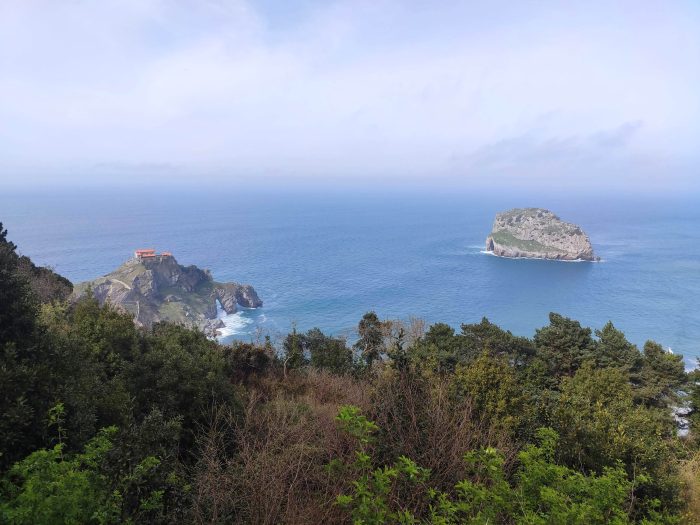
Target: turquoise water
<point>325,259</point>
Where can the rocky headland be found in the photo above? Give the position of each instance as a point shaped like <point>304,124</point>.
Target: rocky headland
<point>157,288</point>
<point>536,233</point>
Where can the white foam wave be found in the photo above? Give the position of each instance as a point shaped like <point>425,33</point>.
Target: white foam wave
<point>233,323</point>
<point>490,252</point>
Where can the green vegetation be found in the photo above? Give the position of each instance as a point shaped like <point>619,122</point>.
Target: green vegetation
<point>508,239</point>
<point>540,492</point>
<point>103,422</point>
<point>177,311</point>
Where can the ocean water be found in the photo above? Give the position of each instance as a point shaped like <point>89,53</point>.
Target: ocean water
<point>324,259</point>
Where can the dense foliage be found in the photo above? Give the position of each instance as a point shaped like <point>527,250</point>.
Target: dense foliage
<point>105,422</point>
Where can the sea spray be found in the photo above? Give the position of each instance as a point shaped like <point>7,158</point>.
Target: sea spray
<point>234,324</point>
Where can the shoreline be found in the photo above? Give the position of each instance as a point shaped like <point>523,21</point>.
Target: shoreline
<point>490,252</point>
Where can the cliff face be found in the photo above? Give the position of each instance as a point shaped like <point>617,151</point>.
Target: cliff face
<point>536,233</point>
<point>159,289</point>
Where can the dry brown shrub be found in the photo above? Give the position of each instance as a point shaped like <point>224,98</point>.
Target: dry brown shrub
<point>690,476</point>
<point>214,498</point>
<point>287,436</point>
<point>408,331</point>
<point>334,390</point>
<point>283,443</point>
<point>419,418</point>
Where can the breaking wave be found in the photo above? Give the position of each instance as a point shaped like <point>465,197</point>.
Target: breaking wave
<point>233,323</point>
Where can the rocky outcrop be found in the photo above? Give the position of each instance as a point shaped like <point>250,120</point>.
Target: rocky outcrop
<point>231,294</point>
<point>536,233</point>
<point>160,289</point>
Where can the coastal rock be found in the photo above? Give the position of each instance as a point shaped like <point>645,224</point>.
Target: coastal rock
<point>231,294</point>
<point>157,288</point>
<point>211,327</point>
<point>536,233</point>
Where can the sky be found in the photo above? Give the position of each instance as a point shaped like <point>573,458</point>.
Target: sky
<point>597,95</point>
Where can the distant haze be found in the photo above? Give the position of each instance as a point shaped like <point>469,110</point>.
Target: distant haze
<point>529,94</point>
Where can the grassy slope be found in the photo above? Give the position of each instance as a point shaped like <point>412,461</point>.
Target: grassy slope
<point>507,239</point>
<point>196,301</point>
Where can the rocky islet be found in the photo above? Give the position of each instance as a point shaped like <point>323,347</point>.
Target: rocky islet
<point>537,233</point>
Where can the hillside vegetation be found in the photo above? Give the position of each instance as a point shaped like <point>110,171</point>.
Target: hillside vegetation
<point>106,422</point>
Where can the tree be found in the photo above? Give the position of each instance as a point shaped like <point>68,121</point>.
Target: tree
<point>492,386</point>
<point>614,350</point>
<point>328,353</point>
<point>247,359</point>
<point>440,349</point>
<point>294,355</point>
<point>22,361</point>
<point>17,304</point>
<point>181,373</point>
<point>694,402</point>
<point>371,338</point>
<point>486,336</point>
<point>564,344</point>
<point>601,425</point>
<point>662,375</point>
<point>46,285</point>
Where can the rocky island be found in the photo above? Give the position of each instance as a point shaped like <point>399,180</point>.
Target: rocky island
<point>536,233</point>
<point>154,287</point>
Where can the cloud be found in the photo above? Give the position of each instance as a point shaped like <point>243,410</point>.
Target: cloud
<point>615,138</point>
<point>527,154</point>
<point>138,168</point>
<point>348,89</point>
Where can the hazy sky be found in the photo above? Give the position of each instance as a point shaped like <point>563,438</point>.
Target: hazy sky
<point>567,94</point>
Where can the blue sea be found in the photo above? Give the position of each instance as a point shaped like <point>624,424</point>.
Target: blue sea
<point>323,259</point>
